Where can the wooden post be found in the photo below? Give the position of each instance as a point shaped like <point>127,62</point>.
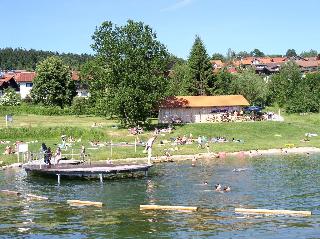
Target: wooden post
<point>146,173</point>
<point>58,178</point>
<point>268,211</point>
<point>149,155</point>
<point>159,207</point>
<point>111,149</point>
<point>135,145</point>
<point>72,154</point>
<point>101,178</point>
<point>84,203</point>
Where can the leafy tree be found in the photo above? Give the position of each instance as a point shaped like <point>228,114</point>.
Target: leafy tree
<point>243,54</point>
<point>53,85</point>
<point>199,67</point>
<point>257,53</point>
<point>180,82</point>
<point>10,98</point>
<point>133,64</point>
<point>310,53</point>
<point>251,86</point>
<point>217,56</point>
<point>313,94</point>
<point>282,85</point>
<point>291,53</point>
<point>94,74</point>
<point>173,60</point>
<point>222,83</point>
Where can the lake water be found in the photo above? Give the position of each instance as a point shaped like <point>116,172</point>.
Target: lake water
<point>291,182</point>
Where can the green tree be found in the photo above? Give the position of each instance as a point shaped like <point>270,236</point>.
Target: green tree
<point>94,74</point>
<point>200,68</point>
<point>134,62</point>
<point>257,53</point>
<point>243,54</point>
<point>282,85</point>
<point>291,53</point>
<point>222,83</point>
<point>251,86</point>
<point>53,85</point>
<point>313,82</point>
<point>180,82</point>
<point>310,53</point>
<point>217,56</point>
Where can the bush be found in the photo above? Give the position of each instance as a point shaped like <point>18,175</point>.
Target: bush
<point>10,98</point>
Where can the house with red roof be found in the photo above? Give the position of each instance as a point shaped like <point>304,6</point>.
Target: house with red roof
<point>6,81</point>
<point>25,80</point>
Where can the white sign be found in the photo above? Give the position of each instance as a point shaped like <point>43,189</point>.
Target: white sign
<point>22,148</point>
<point>9,118</point>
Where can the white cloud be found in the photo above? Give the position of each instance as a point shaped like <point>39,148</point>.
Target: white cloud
<point>177,5</point>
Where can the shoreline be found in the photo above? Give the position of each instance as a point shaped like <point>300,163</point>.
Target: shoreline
<point>223,155</point>
<point>211,155</point>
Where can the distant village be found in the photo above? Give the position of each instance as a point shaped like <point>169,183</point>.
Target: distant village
<point>22,81</point>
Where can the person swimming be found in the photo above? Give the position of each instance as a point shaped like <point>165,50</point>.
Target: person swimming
<point>218,187</point>
<point>205,183</point>
<point>227,189</point>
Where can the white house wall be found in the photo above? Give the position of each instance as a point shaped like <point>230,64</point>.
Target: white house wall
<point>190,115</point>
<point>25,90</point>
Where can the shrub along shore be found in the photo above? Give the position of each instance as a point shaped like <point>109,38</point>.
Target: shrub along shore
<point>96,134</point>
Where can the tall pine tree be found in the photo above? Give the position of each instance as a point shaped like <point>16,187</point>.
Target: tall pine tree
<point>200,68</point>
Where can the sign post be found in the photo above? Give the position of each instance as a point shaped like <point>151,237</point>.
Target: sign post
<point>8,118</point>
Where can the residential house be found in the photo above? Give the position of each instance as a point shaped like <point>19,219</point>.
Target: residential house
<point>25,80</point>
<point>6,81</point>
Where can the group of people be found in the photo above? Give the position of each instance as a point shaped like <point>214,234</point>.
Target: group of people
<point>57,156</point>
<point>219,188</point>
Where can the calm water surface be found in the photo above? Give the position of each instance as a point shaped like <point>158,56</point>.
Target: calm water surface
<point>291,182</point>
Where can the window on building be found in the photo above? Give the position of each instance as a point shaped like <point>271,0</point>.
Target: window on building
<point>29,84</point>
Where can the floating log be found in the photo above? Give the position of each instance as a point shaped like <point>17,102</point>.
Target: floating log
<point>267,211</point>
<point>8,192</point>
<point>158,207</point>
<point>36,197</point>
<point>84,203</point>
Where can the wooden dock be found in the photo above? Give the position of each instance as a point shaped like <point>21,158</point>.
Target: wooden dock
<point>97,170</point>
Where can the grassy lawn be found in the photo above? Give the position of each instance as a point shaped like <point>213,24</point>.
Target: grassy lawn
<point>255,135</point>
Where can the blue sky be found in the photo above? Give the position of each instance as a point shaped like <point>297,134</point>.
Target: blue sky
<point>272,26</point>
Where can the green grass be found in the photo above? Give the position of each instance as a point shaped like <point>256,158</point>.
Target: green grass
<point>256,135</point>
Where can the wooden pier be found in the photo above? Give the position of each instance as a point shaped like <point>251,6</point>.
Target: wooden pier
<point>97,170</point>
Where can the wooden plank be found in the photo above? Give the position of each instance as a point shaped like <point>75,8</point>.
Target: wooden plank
<point>84,203</point>
<point>267,211</point>
<point>32,196</point>
<point>8,192</point>
<point>159,207</point>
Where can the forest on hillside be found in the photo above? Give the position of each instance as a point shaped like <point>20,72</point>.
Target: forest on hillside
<point>22,59</point>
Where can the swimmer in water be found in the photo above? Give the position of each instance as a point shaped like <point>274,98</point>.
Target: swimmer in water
<point>226,189</point>
<point>218,187</point>
<point>205,183</point>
